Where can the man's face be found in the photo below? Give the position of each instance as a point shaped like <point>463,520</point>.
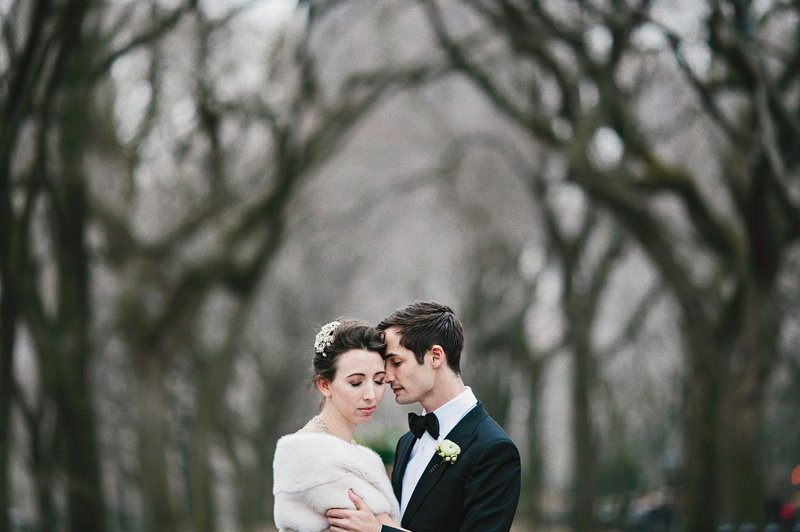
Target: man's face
<point>410,381</point>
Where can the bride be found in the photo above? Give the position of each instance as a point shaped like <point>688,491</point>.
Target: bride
<point>316,466</point>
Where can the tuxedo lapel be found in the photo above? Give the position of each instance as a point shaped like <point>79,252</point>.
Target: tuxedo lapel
<point>462,434</point>
<point>404,447</point>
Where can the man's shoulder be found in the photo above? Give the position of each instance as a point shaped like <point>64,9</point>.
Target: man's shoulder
<point>490,433</point>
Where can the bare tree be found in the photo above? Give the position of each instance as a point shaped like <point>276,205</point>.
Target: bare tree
<point>585,248</point>
<point>579,78</point>
<point>504,349</point>
<point>47,58</point>
<point>77,178</point>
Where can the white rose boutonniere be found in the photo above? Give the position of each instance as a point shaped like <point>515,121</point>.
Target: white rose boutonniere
<point>448,450</point>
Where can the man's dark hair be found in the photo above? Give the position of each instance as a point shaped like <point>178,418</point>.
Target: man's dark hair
<point>422,325</point>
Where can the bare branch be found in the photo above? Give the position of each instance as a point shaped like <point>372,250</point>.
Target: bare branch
<point>633,214</point>
<point>703,91</point>
<point>461,62</point>
<point>160,28</point>
<point>720,237</point>
<point>633,327</point>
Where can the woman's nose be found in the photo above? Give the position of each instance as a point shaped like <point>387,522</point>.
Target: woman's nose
<point>369,392</point>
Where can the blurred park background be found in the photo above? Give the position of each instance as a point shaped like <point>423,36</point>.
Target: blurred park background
<point>606,191</point>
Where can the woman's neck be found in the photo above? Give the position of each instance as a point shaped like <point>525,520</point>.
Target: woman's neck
<point>336,424</point>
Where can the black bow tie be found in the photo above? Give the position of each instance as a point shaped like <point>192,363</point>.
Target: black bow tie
<point>419,424</point>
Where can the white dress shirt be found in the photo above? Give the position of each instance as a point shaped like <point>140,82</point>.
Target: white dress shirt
<point>449,414</point>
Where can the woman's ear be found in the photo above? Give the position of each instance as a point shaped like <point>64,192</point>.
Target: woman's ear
<point>324,386</point>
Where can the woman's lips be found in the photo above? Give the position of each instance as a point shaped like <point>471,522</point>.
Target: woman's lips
<point>368,410</point>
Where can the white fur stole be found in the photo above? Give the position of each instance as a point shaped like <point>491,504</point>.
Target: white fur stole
<point>312,473</point>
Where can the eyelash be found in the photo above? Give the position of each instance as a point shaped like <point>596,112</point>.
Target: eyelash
<point>357,384</point>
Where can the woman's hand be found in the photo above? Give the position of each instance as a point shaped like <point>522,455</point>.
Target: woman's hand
<point>359,520</point>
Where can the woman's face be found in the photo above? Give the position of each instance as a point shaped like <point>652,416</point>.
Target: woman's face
<point>357,386</point>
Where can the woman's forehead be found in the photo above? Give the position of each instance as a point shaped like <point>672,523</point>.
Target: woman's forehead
<point>356,358</point>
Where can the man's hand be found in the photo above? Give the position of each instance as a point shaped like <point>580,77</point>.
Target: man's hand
<point>359,520</point>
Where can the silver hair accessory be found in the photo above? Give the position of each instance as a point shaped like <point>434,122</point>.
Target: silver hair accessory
<point>325,337</point>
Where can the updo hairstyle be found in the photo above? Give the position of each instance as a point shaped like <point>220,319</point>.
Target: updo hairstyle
<point>350,334</point>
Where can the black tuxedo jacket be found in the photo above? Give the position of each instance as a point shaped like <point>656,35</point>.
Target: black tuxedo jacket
<point>477,493</point>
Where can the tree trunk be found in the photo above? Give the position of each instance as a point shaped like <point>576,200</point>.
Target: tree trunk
<point>42,464</point>
<point>72,347</point>
<point>253,489</point>
<point>250,515</point>
<point>9,312</point>
<point>256,506</point>
<point>200,471</point>
<point>741,468</point>
<point>72,392</point>
<point>701,417</point>
<point>160,513</point>
<point>8,323</point>
<point>84,489</point>
<point>533,467</point>
<point>584,476</point>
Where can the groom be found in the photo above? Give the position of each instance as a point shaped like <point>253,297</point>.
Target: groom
<point>479,489</point>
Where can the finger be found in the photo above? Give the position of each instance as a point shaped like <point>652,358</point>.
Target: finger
<point>339,525</point>
<point>356,500</point>
<point>336,512</point>
<point>335,524</point>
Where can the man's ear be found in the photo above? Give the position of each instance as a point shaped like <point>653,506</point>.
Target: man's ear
<point>438,356</point>
<point>324,386</point>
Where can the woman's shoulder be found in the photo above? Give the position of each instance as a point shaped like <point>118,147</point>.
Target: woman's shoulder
<point>319,446</point>
<point>315,433</point>
<point>307,442</point>
<point>315,425</point>
<point>304,450</point>
<point>303,461</point>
